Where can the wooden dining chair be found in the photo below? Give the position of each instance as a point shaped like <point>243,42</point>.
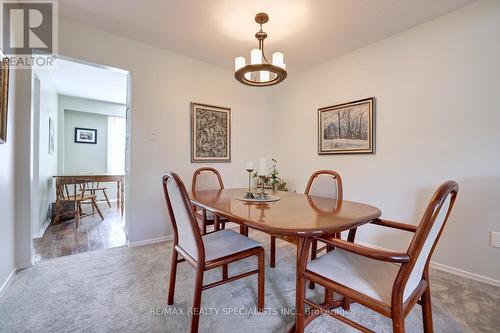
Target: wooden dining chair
<point>388,282</point>
<point>205,252</point>
<point>207,178</point>
<point>322,183</point>
<point>72,191</point>
<point>94,188</point>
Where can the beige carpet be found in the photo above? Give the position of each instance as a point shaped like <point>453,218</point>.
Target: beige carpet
<point>124,290</point>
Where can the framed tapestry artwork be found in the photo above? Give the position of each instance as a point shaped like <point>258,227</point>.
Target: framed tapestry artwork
<point>4,95</point>
<point>85,135</point>
<point>210,133</point>
<point>347,128</point>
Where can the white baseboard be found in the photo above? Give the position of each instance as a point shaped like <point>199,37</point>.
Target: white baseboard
<point>465,274</point>
<point>151,241</point>
<point>7,282</point>
<point>165,238</point>
<point>25,265</point>
<point>451,270</point>
<point>41,232</point>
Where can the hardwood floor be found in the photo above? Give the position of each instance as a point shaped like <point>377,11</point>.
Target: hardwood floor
<point>93,234</point>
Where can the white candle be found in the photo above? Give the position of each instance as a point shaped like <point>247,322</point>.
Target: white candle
<point>278,59</point>
<point>256,57</point>
<point>239,62</point>
<point>250,165</point>
<point>262,167</point>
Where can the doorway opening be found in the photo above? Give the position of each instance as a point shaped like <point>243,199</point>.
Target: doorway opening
<point>79,158</point>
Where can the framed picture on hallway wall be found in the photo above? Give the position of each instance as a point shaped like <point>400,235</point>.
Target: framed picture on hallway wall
<point>4,95</point>
<point>347,128</point>
<point>210,133</point>
<point>85,135</point>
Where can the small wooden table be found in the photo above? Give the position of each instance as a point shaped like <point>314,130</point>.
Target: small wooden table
<point>295,216</point>
<point>118,179</point>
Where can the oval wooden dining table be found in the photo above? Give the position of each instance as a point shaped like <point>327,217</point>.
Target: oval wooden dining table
<point>294,217</point>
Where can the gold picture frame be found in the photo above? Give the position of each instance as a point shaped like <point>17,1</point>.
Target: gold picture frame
<point>4,95</point>
<point>210,133</point>
<point>347,128</point>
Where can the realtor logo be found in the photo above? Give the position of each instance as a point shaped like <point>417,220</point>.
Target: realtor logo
<point>29,30</point>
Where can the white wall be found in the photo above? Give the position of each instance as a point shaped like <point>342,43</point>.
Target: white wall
<point>437,118</point>
<point>7,185</point>
<point>24,146</point>
<point>15,221</point>
<point>84,105</point>
<point>83,158</point>
<point>163,85</point>
<point>47,163</point>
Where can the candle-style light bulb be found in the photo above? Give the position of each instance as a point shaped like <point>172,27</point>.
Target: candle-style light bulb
<point>278,59</point>
<point>256,57</point>
<point>239,62</point>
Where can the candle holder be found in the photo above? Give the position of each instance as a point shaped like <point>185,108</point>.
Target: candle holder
<point>249,194</point>
<point>262,195</point>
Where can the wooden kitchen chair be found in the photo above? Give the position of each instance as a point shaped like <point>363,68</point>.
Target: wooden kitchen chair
<point>72,191</point>
<point>322,183</point>
<point>387,282</point>
<point>94,187</point>
<point>205,252</point>
<point>207,178</point>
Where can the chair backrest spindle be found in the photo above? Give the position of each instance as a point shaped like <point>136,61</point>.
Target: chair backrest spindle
<point>68,188</point>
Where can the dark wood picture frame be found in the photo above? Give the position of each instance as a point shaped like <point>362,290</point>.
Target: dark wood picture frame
<point>4,95</point>
<point>211,138</point>
<point>79,140</point>
<point>360,127</point>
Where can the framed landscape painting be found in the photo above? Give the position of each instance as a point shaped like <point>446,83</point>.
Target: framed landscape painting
<point>347,128</point>
<point>210,133</point>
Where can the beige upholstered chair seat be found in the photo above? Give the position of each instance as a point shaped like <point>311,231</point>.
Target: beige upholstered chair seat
<point>373,278</point>
<point>225,243</point>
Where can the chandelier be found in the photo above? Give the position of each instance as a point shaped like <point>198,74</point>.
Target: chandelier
<point>260,73</point>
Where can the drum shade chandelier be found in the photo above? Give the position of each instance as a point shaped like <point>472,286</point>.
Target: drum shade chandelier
<point>260,73</point>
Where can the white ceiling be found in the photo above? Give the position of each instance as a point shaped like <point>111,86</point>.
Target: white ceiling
<point>307,31</point>
<point>86,81</point>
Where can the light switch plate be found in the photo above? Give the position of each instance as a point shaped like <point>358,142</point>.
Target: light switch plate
<point>495,239</point>
<point>153,136</point>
